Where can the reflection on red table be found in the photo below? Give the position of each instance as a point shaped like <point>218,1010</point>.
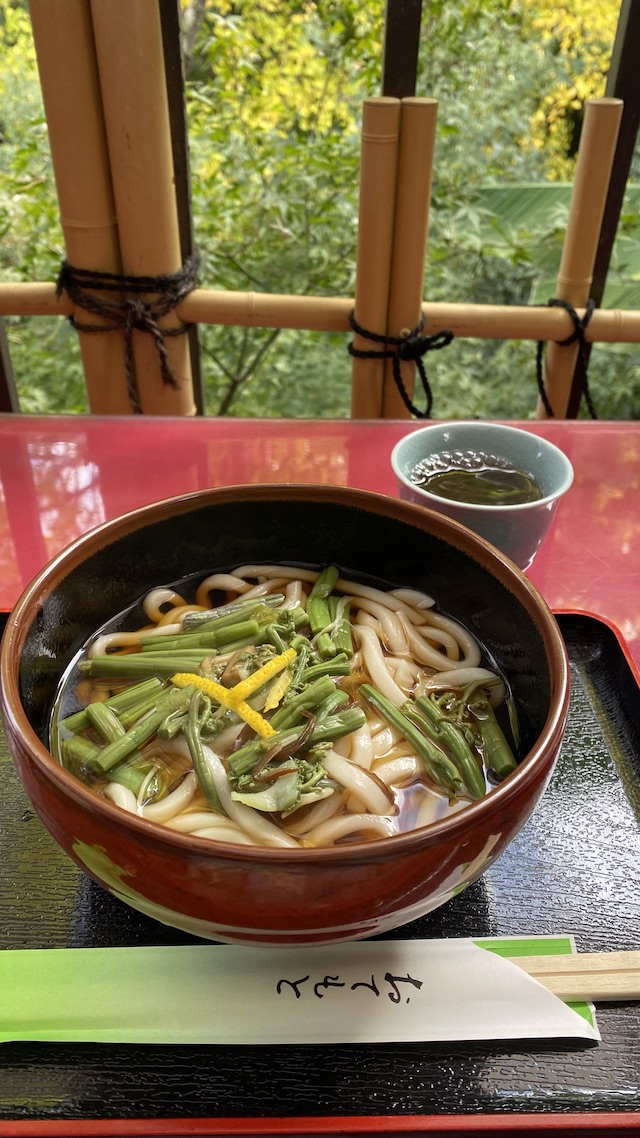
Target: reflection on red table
<point>60,476</point>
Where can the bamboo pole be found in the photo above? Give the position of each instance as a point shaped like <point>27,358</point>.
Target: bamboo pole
<point>268,310</point>
<point>33,298</point>
<point>331,314</point>
<point>132,80</point>
<point>379,151</point>
<point>411,221</point>
<point>65,49</point>
<point>593,171</point>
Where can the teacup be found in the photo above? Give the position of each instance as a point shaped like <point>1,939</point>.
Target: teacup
<point>517,530</point>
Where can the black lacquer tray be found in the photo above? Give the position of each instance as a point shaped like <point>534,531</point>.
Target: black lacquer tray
<point>575,868</point>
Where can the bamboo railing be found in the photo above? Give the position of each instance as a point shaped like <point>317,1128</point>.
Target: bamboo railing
<point>378,175</point>
<point>134,95</point>
<point>63,37</point>
<point>411,219</point>
<point>102,69</point>
<point>593,172</point>
<point>102,75</point>
<point>331,314</point>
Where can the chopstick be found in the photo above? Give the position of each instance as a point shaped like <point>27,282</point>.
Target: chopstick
<point>586,975</point>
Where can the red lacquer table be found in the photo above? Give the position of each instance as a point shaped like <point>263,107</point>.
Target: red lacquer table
<point>60,476</point>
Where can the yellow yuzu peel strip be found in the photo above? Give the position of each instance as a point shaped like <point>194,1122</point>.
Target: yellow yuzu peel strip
<point>224,696</point>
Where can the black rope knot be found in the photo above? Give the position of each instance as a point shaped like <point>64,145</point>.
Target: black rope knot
<point>146,300</point>
<point>411,345</point>
<point>578,335</point>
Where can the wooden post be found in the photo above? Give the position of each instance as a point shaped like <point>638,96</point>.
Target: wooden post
<point>593,171</point>
<point>622,83</point>
<point>63,37</point>
<point>413,196</point>
<point>379,154</point>
<point>132,80</point>
<point>8,392</point>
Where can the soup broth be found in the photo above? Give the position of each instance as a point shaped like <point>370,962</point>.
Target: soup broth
<point>285,707</point>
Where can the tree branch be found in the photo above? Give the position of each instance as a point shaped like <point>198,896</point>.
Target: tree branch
<point>191,23</point>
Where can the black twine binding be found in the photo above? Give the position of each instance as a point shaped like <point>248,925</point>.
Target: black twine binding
<point>132,313</point>
<point>579,327</point>
<point>411,346</point>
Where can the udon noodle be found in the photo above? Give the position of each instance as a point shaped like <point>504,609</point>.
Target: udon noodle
<point>288,708</point>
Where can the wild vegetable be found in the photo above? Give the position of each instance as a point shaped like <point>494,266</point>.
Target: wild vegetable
<point>282,684</point>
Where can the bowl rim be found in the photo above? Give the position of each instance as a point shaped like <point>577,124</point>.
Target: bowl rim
<point>509,575</point>
<point>435,501</point>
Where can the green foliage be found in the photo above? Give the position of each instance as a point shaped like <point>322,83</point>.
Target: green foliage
<point>279,217</point>
<point>578,38</point>
<point>274,93</point>
<point>274,99</point>
<point>32,245</point>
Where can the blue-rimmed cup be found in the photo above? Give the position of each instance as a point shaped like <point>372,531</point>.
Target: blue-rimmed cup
<point>516,530</point>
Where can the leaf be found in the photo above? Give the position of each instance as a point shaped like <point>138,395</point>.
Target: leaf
<point>280,794</point>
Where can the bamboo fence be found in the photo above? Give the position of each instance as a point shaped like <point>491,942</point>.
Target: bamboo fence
<point>63,37</point>
<point>411,219</point>
<point>378,167</point>
<point>593,172</point>
<point>134,95</point>
<point>331,314</point>
<point>102,71</point>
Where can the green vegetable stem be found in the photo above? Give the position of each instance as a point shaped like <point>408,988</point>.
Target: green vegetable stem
<point>338,666</point>
<point>229,614</point>
<point>140,734</point>
<point>120,702</point>
<point>136,664</point>
<point>439,767</point>
<point>327,731</point>
<point>221,635</point>
<point>199,709</point>
<point>291,712</point>
<point>319,613</point>
<point>498,755</point>
<point>341,634</point>
<point>451,735</point>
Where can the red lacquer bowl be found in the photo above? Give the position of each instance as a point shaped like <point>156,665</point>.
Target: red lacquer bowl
<point>281,896</point>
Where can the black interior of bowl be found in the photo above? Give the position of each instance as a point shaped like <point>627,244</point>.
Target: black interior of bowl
<point>227,533</point>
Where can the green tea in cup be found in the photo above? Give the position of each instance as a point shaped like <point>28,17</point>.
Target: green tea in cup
<point>502,481</point>
<point>477,477</point>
